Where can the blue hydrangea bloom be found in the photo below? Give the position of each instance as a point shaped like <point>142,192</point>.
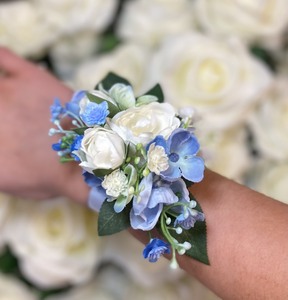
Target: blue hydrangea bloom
<point>73,105</point>
<point>94,113</point>
<point>56,110</point>
<point>76,146</point>
<point>97,194</point>
<point>182,147</point>
<point>187,222</point>
<point>155,249</point>
<point>148,206</point>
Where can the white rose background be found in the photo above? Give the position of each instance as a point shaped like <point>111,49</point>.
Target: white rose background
<point>201,58</point>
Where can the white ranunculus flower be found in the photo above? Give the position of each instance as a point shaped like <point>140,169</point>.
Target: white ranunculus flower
<point>250,20</point>
<point>127,60</point>
<point>102,149</point>
<point>55,241</point>
<point>150,22</point>
<point>226,152</point>
<point>269,123</point>
<point>70,16</point>
<point>218,78</point>
<point>13,289</point>
<point>270,178</point>
<point>142,124</point>
<point>22,29</point>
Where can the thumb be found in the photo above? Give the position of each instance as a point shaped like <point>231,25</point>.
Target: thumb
<point>11,63</point>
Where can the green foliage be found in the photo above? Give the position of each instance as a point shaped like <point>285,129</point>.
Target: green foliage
<point>110,222</point>
<point>111,79</point>
<point>197,237</point>
<point>157,92</point>
<point>80,131</point>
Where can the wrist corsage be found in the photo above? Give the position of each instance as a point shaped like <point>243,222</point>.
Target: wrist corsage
<point>139,156</point>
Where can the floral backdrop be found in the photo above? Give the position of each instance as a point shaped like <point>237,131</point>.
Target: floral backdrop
<point>227,59</point>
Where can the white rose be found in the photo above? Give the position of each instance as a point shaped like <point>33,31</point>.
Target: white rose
<point>142,124</point>
<point>27,34</point>
<point>55,241</point>
<point>69,16</point>
<point>72,50</point>
<point>218,78</point>
<point>13,289</point>
<point>150,22</point>
<point>127,60</point>
<point>102,149</point>
<point>226,152</point>
<point>270,178</point>
<point>247,19</point>
<point>269,123</point>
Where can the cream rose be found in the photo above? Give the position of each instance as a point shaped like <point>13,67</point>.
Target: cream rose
<point>270,178</point>
<point>226,152</point>
<point>70,16</point>
<point>247,19</point>
<point>142,124</point>
<point>13,289</point>
<point>102,149</point>
<point>269,123</point>
<point>55,241</point>
<point>150,22</point>
<point>27,34</point>
<point>133,69</point>
<point>218,78</point>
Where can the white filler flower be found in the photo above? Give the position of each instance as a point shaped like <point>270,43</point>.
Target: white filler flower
<point>157,159</point>
<point>115,183</point>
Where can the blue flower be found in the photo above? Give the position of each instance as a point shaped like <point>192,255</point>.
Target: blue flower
<point>56,110</point>
<point>76,144</point>
<point>155,249</point>
<point>188,220</point>
<point>97,194</point>
<point>148,206</point>
<point>57,146</point>
<point>95,114</point>
<point>73,105</point>
<point>182,147</point>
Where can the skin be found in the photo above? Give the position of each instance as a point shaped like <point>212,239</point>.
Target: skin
<point>246,231</point>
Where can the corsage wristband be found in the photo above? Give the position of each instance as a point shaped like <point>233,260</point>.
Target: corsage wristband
<point>139,156</point>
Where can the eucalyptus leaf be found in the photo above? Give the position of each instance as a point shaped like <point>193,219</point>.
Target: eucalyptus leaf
<point>110,222</point>
<point>146,99</point>
<point>111,79</point>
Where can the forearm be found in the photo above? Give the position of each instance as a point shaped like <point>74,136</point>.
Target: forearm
<point>247,241</point>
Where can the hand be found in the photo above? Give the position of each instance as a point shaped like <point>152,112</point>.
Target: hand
<point>29,167</point>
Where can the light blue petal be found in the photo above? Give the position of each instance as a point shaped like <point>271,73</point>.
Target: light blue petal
<point>162,195</point>
<point>172,173</point>
<point>148,218</point>
<point>95,114</point>
<point>192,168</point>
<point>96,198</point>
<point>141,202</point>
<point>183,143</point>
<point>177,138</point>
<point>179,187</point>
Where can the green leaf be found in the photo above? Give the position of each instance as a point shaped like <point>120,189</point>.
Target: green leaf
<point>80,130</point>
<point>113,109</point>
<point>8,262</point>
<point>265,55</point>
<point>101,172</point>
<point>112,79</point>
<point>110,222</point>
<point>157,92</point>
<point>197,237</point>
